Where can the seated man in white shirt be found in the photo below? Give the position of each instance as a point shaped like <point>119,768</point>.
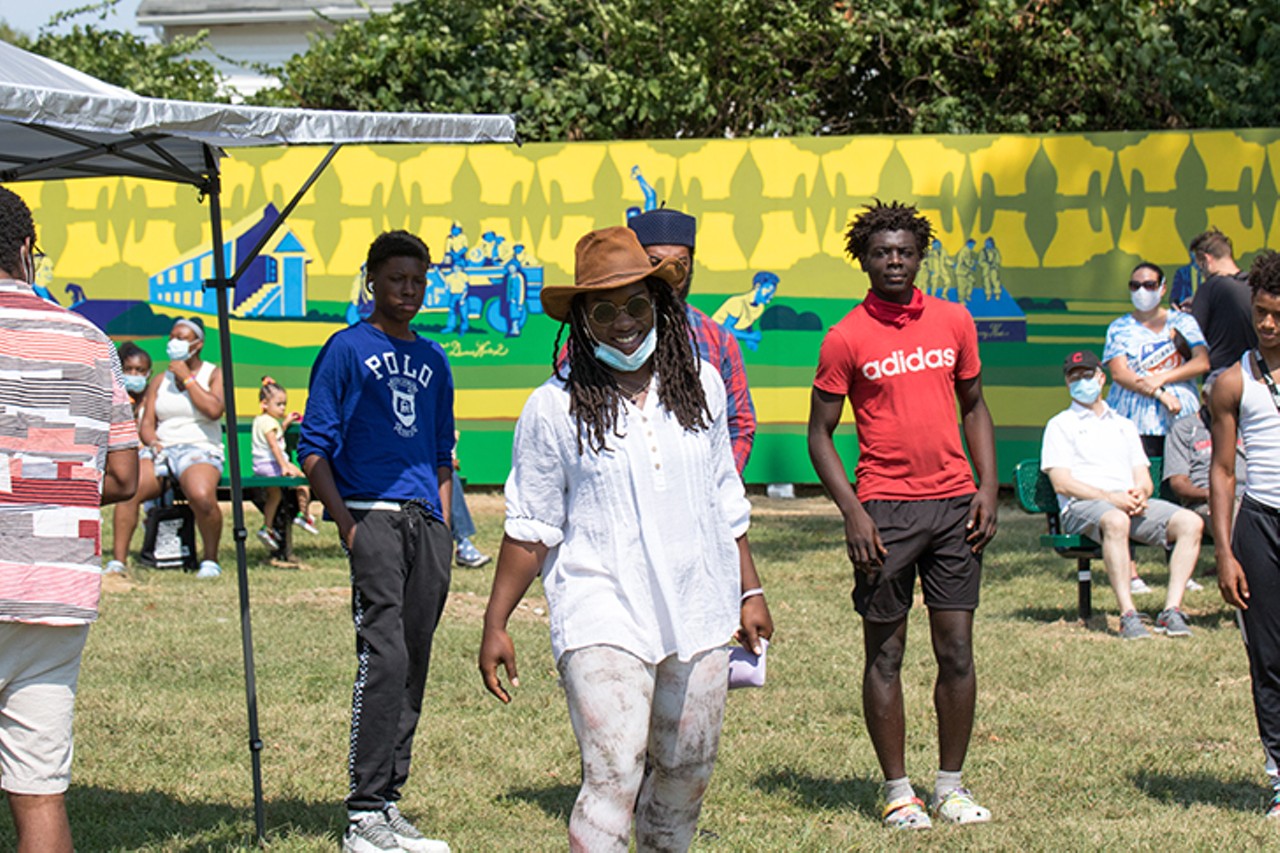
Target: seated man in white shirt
<point>1094,459</point>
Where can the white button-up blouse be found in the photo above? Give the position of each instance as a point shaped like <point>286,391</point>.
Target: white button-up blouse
<point>641,535</point>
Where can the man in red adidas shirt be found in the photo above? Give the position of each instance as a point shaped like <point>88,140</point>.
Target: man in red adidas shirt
<point>903,359</point>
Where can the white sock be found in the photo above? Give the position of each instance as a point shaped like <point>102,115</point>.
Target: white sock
<point>897,789</point>
<point>947,782</point>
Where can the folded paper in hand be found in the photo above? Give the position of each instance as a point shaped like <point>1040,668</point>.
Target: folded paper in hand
<point>745,669</point>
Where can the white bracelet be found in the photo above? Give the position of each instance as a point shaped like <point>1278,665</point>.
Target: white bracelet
<point>751,593</point>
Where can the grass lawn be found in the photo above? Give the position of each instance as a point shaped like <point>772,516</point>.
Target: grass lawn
<point>1082,742</point>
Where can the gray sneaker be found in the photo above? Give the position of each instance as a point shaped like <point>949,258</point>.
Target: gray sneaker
<point>1131,627</point>
<point>1172,623</point>
<point>370,834</point>
<point>408,836</point>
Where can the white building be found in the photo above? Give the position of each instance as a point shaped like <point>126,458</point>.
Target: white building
<point>251,32</point>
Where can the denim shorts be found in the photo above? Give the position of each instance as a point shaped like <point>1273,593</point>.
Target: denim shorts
<point>174,461</point>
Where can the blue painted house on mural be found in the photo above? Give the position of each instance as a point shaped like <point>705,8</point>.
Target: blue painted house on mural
<point>274,285</point>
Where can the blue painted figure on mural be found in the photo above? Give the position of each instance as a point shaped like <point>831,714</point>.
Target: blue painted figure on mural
<point>75,293</point>
<point>360,304</point>
<point>989,267</point>
<point>517,311</point>
<point>489,252</point>
<point>455,278</point>
<point>455,246</point>
<point>936,266</point>
<point>650,194</point>
<point>966,267</point>
<point>738,314</point>
<point>1186,281</point>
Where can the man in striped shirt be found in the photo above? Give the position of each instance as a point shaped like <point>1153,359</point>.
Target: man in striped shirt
<point>67,446</point>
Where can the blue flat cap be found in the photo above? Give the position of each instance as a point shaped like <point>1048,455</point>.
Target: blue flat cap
<point>664,227</point>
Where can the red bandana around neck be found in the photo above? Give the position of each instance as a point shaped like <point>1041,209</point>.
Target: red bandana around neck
<point>893,313</point>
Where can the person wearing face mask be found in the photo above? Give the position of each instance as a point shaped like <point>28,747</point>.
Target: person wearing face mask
<point>1095,460</point>
<point>181,422</point>
<point>1154,355</point>
<point>135,363</point>
<point>623,494</point>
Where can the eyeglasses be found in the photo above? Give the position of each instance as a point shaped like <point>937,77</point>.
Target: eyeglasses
<point>639,307</point>
<point>1135,286</point>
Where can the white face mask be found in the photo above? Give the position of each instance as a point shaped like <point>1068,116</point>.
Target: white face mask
<point>1145,300</point>
<point>178,349</point>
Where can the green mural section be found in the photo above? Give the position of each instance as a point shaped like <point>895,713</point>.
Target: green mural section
<point>1065,218</point>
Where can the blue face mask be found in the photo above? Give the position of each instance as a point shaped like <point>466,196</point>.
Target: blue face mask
<point>134,383</point>
<point>618,360</point>
<point>1085,391</point>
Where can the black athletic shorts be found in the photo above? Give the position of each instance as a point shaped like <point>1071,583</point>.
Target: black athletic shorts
<point>926,537</point>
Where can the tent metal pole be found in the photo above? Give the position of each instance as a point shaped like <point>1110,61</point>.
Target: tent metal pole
<point>221,283</point>
<point>284,214</point>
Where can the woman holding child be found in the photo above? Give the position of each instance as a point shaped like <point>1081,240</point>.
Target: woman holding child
<point>624,496</point>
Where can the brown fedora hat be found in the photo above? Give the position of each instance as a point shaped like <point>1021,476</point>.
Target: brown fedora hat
<point>606,260</point>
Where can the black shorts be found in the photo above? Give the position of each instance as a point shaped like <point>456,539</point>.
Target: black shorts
<point>925,536</point>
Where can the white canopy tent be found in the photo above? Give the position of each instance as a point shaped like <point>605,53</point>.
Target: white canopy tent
<point>58,123</point>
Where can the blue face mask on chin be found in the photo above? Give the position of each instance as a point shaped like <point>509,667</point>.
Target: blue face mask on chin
<point>1085,391</point>
<point>618,360</point>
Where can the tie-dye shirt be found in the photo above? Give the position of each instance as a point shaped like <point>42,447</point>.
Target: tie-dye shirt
<point>63,407</point>
<point>1152,352</point>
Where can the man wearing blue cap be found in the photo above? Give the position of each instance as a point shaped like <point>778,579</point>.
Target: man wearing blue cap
<point>668,233</point>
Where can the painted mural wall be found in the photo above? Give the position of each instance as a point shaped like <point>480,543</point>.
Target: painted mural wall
<point>1037,235</point>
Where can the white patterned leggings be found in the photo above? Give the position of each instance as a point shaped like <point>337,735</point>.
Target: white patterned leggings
<point>624,710</point>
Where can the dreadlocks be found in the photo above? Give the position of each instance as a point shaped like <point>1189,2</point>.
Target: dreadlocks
<point>894,216</point>
<point>16,226</point>
<point>1264,275</point>
<point>594,395</point>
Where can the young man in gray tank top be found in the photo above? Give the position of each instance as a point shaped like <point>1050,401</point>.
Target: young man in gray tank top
<point>1247,397</point>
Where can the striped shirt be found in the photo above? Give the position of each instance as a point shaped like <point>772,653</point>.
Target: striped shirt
<point>62,408</point>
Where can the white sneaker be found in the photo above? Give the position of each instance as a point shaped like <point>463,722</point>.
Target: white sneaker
<point>1138,586</point>
<point>370,834</point>
<point>408,836</point>
<point>209,569</point>
<point>113,567</point>
<point>1193,585</point>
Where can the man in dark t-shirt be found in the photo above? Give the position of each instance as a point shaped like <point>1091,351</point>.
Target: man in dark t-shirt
<point>1222,304</point>
<point>903,360</point>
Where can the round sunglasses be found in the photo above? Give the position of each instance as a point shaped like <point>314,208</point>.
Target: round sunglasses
<point>639,307</point>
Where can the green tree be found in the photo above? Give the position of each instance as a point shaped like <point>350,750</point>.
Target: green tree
<point>590,69</point>
<point>600,69</point>
<point>127,60</point>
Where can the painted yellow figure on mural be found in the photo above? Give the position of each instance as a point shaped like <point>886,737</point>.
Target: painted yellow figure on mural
<point>738,314</point>
<point>966,267</point>
<point>455,246</point>
<point>937,271</point>
<point>989,267</point>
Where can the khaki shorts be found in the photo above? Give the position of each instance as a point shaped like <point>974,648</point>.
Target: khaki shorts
<point>39,665</point>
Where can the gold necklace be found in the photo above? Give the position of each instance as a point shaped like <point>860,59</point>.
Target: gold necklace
<point>631,393</point>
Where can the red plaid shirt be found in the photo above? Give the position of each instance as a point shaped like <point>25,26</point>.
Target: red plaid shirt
<point>720,349</point>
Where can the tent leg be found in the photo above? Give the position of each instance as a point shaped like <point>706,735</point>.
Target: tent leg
<point>213,189</point>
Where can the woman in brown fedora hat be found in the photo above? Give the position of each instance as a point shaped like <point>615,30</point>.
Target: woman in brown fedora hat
<point>624,496</point>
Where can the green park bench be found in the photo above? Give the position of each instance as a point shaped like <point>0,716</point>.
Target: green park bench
<point>1036,495</point>
<point>250,484</point>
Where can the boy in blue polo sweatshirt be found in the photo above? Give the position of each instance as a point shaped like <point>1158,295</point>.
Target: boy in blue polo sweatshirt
<point>377,444</point>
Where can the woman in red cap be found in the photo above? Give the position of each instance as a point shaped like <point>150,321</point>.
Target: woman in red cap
<point>624,496</point>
